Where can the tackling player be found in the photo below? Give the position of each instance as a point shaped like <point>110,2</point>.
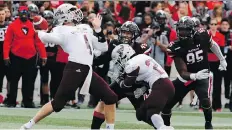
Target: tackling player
<point>78,41</point>
<point>191,61</point>
<point>142,68</point>
<point>128,33</point>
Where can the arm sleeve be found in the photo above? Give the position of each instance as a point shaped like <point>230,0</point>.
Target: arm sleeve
<point>52,37</point>
<point>99,41</point>
<point>40,47</point>
<point>8,41</point>
<point>216,50</point>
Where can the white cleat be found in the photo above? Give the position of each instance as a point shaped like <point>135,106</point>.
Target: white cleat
<point>23,128</point>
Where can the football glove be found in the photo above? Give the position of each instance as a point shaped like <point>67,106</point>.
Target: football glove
<point>223,65</point>
<point>203,74</point>
<point>140,91</point>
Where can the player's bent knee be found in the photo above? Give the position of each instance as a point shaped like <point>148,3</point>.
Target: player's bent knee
<point>112,99</point>
<point>140,114</point>
<point>205,103</point>
<point>57,105</point>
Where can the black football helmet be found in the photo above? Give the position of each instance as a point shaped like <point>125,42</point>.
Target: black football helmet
<point>48,15</point>
<point>160,17</point>
<point>128,27</point>
<point>33,10</point>
<point>196,21</point>
<point>185,28</point>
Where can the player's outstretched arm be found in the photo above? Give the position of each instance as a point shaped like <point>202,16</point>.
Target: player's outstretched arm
<point>216,50</point>
<point>183,72</point>
<point>52,37</point>
<point>181,68</point>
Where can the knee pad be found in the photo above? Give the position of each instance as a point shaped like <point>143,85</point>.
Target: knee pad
<point>109,100</point>
<point>57,107</point>
<point>205,103</point>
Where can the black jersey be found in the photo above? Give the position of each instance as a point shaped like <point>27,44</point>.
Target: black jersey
<point>51,50</point>
<point>2,36</point>
<point>106,57</point>
<point>193,51</point>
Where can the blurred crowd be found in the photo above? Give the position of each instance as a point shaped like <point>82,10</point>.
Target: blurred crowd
<point>215,16</point>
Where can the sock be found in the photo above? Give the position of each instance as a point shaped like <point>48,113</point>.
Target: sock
<point>208,114</point>
<point>98,119</point>
<point>157,121</point>
<point>29,124</point>
<point>109,126</point>
<point>166,118</point>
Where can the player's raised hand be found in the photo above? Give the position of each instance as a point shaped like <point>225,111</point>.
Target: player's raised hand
<point>96,22</point>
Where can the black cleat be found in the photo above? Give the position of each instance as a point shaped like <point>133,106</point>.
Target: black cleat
<point>208,125</point>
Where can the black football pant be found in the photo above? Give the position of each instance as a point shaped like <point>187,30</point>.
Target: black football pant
<point>44,73</point>
<point>4,71</point>
<point>27,69</point>
<point>217,83</point>
<point>228,80</point>
<point>73,79</point>
<point>201,87</point>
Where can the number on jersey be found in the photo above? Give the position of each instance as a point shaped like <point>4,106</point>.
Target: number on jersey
<point>87,44</point>
<point>194,57</point>
<point>154,66</point>
<point>49,45</point>
<point>2,34</point>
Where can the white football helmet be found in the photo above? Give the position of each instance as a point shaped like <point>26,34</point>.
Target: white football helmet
<point>121,54</point>
<point>68,13</point>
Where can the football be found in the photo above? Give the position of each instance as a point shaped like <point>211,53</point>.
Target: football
<point>40,23</point>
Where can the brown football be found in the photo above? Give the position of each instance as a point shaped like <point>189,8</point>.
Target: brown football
<point>40,23</point>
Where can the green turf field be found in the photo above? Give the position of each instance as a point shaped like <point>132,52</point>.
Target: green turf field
<point>13,118</point>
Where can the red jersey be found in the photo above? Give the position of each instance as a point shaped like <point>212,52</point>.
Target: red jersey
<point>21,40</point>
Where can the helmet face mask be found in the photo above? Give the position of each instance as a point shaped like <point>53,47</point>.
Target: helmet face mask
<point>128,32</point>
<point>185,28</point>
<point>48,15</point>
<point>160,17</point>
<point>33,10</point>
<point>126,37</point>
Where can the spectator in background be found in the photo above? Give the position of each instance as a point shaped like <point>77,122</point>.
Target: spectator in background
<point>4,70</point>
<point>214,65</point>
<point>8,14</point>
<point>170,21</point>
<point>20,48</point>
<point>155,6</point>
<point>142,6</point>
<point>147,21</point>
<point>183,10</point>
<point>225,30</point>
<point>217,13</point>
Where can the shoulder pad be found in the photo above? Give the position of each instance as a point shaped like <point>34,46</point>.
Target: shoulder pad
<point>129,67</point>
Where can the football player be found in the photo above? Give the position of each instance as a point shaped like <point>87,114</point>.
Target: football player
<point>51,50</point>
<point>142,68</point>
<point>77,40</point>
<point>128,33</point>
<point>33,11</point>
<point>191,61</point>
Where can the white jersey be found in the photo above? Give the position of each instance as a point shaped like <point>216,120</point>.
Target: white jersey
<point>78,41</point>
<point>149,71</point>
